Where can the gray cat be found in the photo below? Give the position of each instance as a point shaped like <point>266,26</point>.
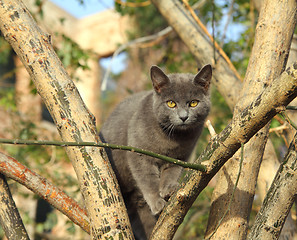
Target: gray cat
<point>167,120</point>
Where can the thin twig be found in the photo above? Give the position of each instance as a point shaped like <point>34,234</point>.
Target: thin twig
<point>133,4</point>
<point>286,117</point>
<point>230,11</point>
<point>211,39</point>
<point>278,129</point>
<point>279,119</point>
<point>213,31</point>
<point>211,129</point>
<point>162,33</point>
<point>291,107</point>
<point>198,167</point>
<point>233,192</point>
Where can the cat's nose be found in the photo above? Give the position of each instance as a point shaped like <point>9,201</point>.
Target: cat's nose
<point>183,118</point>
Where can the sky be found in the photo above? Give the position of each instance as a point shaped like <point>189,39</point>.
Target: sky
<point>87,8</point>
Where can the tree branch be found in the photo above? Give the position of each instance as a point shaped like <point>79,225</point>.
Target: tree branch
<point>232,195</point>
<point>279,199</point>
<point>40,186</point>
<point>10,218</point>
<point>183,164</point>
<point>271,34</point>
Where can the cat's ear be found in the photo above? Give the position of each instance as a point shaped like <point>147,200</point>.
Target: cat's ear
<point>203,77</point>
<point>159,78</point>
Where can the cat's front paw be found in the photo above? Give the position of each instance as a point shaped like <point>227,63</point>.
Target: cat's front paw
<point>157,206</point>
<point>168,190</point>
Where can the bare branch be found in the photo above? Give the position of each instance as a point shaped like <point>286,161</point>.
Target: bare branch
<point>10,218</point>
<point>274,30</point>
<point>43,188</point>
<point>233,191</point>
<point>183,164</point>
<point>279,199</point>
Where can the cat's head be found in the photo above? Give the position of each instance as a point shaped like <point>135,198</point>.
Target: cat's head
<point>181,100</point>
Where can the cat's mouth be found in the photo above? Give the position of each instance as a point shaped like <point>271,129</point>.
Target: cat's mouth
<point>182,126</point>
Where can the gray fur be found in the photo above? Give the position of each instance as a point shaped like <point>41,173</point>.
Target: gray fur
<point>145,121</point>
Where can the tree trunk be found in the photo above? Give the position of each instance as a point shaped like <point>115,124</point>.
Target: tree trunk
<point>104,204</point>
<point>10,218</point>
<point>274,32</point>
<point>279,199</point>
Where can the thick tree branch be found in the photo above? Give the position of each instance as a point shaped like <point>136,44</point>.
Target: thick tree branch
<point>74,122</point>
<point>10,218</point>
<point>274,32</point>
<point>40,186</point>
<point>279,199</point>
<point>242,127</point>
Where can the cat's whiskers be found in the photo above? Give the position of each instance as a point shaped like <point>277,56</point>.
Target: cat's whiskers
<point>169,129</point>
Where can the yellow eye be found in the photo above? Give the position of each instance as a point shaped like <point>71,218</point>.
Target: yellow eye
<point>171,104</point>
<point>193,103</point>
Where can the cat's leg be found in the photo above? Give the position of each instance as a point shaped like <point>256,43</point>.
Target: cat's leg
<point>146,173</point>
<point>147,219</point>
<point>169,180</point>
<point>141,217</point>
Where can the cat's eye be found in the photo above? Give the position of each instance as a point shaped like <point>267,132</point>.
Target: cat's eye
<point>171,104</point>
<point>194,103</point>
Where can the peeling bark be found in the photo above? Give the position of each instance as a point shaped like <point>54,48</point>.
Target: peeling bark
<point>102,197</point>
<point>242,127</point>
<point>10,218</point>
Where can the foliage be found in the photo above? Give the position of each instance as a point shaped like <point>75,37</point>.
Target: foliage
<point>5,51</point>
<point>7,98</point>
<point>50,162</point>
<point>71,54</point>
<point>143,16</point>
